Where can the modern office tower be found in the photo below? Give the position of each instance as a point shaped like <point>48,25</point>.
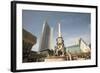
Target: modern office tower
<point>60,43</point>
<point>45,37</point>
<point>51,45</point>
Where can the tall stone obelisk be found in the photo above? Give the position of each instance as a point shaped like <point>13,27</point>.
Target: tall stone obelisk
<point>60,43</point>
<point>59,30</point>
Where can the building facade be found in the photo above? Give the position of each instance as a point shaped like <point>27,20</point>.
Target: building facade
<point>45,37</point>
<point>29,40</point>
<point>81,46</point>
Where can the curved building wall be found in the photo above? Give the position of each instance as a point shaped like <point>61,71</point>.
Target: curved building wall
<point>28,41</point>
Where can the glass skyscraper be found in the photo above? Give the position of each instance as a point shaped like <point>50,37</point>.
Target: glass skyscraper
<point>45,37</point>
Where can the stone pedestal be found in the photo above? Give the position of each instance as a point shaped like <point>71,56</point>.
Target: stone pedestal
<point>55,58</point>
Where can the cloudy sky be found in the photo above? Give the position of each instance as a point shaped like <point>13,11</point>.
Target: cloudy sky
<point>73,25</point>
